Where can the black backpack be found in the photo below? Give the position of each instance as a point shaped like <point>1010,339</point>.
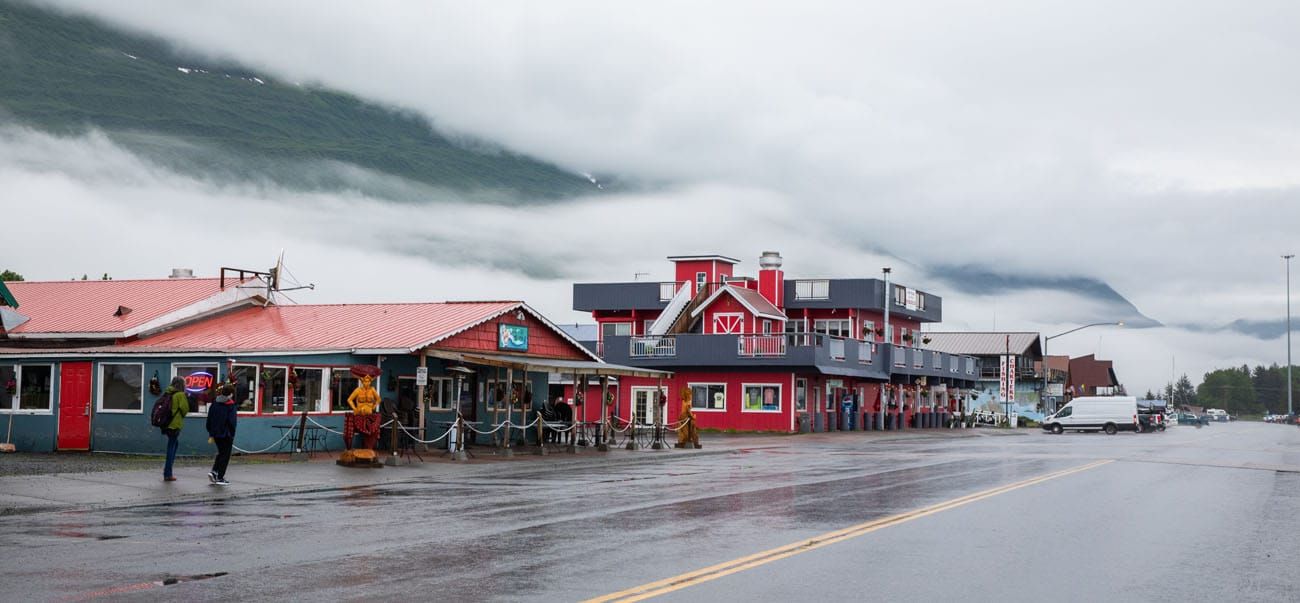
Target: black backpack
<point>161,415</point>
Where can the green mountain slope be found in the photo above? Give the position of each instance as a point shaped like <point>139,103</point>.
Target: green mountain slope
<point>66,74</point>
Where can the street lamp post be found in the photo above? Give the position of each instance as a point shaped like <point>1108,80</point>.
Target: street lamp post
<point>1288,257</point>
<point>889,341</point>
<point>1047,339</point>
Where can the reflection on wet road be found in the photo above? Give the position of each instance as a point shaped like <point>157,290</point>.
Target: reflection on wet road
<point>1139,528</point>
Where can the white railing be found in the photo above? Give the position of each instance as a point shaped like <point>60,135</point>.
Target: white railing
<point>664,346</point>
<point>760,346</point>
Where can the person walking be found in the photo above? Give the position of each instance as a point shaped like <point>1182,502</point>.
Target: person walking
<point>180,408</point>
<point>222,418</point>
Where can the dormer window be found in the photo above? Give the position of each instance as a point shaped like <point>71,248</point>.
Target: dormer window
<point>820,289</point>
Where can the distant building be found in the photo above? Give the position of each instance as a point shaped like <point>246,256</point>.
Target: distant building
<point>990,348</point>
<point>1092,377</point>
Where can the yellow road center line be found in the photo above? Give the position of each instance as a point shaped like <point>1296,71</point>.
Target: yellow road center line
<point>713,572</point>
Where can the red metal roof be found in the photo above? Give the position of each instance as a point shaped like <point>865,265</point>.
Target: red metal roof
<point>92,307</point>
<point>329,327</point>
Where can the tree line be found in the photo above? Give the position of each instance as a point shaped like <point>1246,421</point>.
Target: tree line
<point>1239,390</point>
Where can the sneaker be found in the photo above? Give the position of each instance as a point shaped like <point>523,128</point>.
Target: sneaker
<point>212,476</point>
<point>221,481</point>
<point>169,478</point>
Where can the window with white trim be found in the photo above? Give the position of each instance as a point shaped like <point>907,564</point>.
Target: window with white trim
<point>645,330</point>
<point>868,330</point>
<point>801,394</point>
<point>708,396</point>
<point>920,301</point>
<point>440,393</point>
<point>701,279</point>
<point>835,327</point>
<point>121,387</point>
<point>616,329</point>
<point>200,381</point>
<point>900,295</point>
<point>245,377</point>
<point>762,397</point>
<point>27,388</point>
<point>274,393</point>
<point>342,384</point>
<point>817,289</point>
<point>309,390</point>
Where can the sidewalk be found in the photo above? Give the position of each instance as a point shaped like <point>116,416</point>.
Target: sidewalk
<point>25,494</point>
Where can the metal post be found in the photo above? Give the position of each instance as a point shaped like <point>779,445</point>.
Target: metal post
<point>505,449</point>
<point>889,341</point>
<point>419,397</point>
<point>1289,408</point>
<point>602,443</point>
<point>1045,370</point>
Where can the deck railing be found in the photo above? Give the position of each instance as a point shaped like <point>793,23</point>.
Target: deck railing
<point>661,346</point>
<point>760,346</point>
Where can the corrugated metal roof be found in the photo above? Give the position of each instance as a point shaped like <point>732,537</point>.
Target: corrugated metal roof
<point>330,327</point>
<point>751,299</point>
<point>981,344</point>
<point>93,306</point>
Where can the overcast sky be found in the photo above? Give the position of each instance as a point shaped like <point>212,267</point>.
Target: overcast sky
<point>1149,145</point>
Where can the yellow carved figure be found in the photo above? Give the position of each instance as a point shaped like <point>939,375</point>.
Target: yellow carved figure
<point>364,398</point>
<point>689,435</point>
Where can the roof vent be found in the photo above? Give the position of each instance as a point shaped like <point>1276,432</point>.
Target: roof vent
<point>770,260</point>
<point>182,273</point>
<point>122,311</point>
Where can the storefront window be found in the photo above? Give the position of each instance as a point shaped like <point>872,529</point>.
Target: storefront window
<point>200,384</point>
<point>440,393</point>
<point>121,387</point>
<point>308,390</point>
<point>8,386</point>
<point>246,380</point>
<point>763,398</point>
<point>801,394</point>
<point>273,389</point>
<point>35,389</point>
<point>342,383</point>
<point>708,396</point>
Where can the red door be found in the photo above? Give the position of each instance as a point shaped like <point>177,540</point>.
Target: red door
<point>74,406</point>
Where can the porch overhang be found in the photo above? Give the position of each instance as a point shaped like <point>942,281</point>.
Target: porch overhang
<point>548,365</point>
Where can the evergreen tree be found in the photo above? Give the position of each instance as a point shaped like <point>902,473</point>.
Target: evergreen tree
<point>1183,392</point>
<point>1229,389</point>
<point>10,275</point>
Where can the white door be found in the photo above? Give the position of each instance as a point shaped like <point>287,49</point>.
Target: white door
<point>643,405</point>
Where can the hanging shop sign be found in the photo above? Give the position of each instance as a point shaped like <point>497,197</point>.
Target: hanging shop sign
<point>513,338</point>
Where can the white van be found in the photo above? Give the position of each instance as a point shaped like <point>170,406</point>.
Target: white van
<point>1095,413</point>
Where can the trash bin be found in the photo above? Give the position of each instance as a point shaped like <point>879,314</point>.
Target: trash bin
<point>846,414</point>
<point>804,424</point>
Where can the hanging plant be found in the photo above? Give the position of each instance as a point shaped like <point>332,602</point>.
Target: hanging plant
<point>907,337</point>
<point>11,386</point>
<point>925,340</point>
<point>266,377</point>
<point>293,377</point>
<point>155,386</point>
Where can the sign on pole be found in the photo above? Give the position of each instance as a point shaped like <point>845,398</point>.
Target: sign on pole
<point>421,376</point>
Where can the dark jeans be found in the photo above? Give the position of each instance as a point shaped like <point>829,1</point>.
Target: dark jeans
<point>173,443</point>
<point>223,455</point>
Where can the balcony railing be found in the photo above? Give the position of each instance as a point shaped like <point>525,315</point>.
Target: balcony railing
<point>760,346</point>
<point>866,351</point>
<point>663,346</point>
<point>836,346</point>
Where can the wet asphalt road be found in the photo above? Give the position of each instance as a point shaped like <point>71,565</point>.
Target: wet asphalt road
<point>1190,514</point>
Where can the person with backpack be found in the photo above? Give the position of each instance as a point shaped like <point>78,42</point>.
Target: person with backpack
<point>180,406</point>
<point>222,418</point>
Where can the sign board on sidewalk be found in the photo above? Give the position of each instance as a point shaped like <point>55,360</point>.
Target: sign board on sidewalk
<point>421,376</point>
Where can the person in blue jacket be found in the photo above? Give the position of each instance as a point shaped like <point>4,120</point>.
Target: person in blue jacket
<point>222,418</point>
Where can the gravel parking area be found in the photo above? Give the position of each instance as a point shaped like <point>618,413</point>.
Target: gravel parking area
<point>28,463</point>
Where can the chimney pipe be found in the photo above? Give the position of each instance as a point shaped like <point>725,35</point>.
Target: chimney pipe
<point>182,273</point>
<point>771,280</point>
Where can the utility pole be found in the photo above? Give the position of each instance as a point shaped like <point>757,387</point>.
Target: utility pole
<point>1288,257</point>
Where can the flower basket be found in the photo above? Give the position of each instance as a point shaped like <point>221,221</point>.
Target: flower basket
<point>11,387</point>
<point>925,340</point>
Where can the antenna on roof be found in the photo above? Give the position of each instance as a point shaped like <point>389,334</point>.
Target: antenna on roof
<point>273,278</point>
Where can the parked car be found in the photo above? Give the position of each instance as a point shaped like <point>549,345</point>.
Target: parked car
<point>1187,418</point>
<point>1150,422</point>
<point>1216,414</point>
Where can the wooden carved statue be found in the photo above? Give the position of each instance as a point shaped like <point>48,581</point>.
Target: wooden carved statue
<point>689,435</point>
<point>363,420</point>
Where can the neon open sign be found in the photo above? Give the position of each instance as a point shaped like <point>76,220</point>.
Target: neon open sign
<point>198,381</point>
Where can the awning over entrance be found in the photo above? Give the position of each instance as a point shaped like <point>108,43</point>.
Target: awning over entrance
<point>549,365</point>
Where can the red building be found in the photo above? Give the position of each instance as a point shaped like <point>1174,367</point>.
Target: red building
<point>767,353</point>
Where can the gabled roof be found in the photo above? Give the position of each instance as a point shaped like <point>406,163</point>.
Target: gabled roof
<point>983,344</point>
<point>751,299</point>
<point>363,328</point>
<point>120,308</point>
